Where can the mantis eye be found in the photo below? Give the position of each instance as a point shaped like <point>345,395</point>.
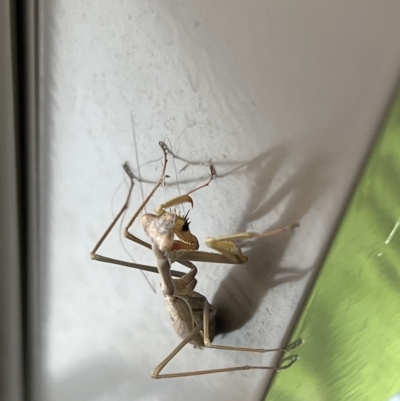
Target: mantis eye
<point>185,226</point>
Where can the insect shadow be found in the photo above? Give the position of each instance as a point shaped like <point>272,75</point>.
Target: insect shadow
<point>241,292</point>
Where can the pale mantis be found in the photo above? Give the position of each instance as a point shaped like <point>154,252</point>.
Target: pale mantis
<point>193,317</point>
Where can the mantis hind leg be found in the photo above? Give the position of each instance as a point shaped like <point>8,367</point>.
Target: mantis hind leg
<point>208,317</point>
<point>208,344</point>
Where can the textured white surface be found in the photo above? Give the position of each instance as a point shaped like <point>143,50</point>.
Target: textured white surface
<point>295,90</point>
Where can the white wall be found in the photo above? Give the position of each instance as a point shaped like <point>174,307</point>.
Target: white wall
<point>295,91</point>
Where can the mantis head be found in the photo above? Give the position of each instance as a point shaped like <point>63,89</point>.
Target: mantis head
<point>168,230</point>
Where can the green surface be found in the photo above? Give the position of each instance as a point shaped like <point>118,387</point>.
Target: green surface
<point>351,323</point>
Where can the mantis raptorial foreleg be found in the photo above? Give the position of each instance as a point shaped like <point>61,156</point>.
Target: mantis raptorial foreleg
<point>227,250</point>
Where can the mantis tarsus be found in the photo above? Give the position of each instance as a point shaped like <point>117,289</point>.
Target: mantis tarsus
<point>193,317</point>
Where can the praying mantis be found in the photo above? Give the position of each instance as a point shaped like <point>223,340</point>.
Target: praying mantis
<point>193,317</point>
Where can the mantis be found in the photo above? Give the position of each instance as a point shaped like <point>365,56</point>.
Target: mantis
<point>193,317</point>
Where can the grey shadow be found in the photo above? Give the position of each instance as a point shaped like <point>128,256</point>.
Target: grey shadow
<point>241,292</point>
